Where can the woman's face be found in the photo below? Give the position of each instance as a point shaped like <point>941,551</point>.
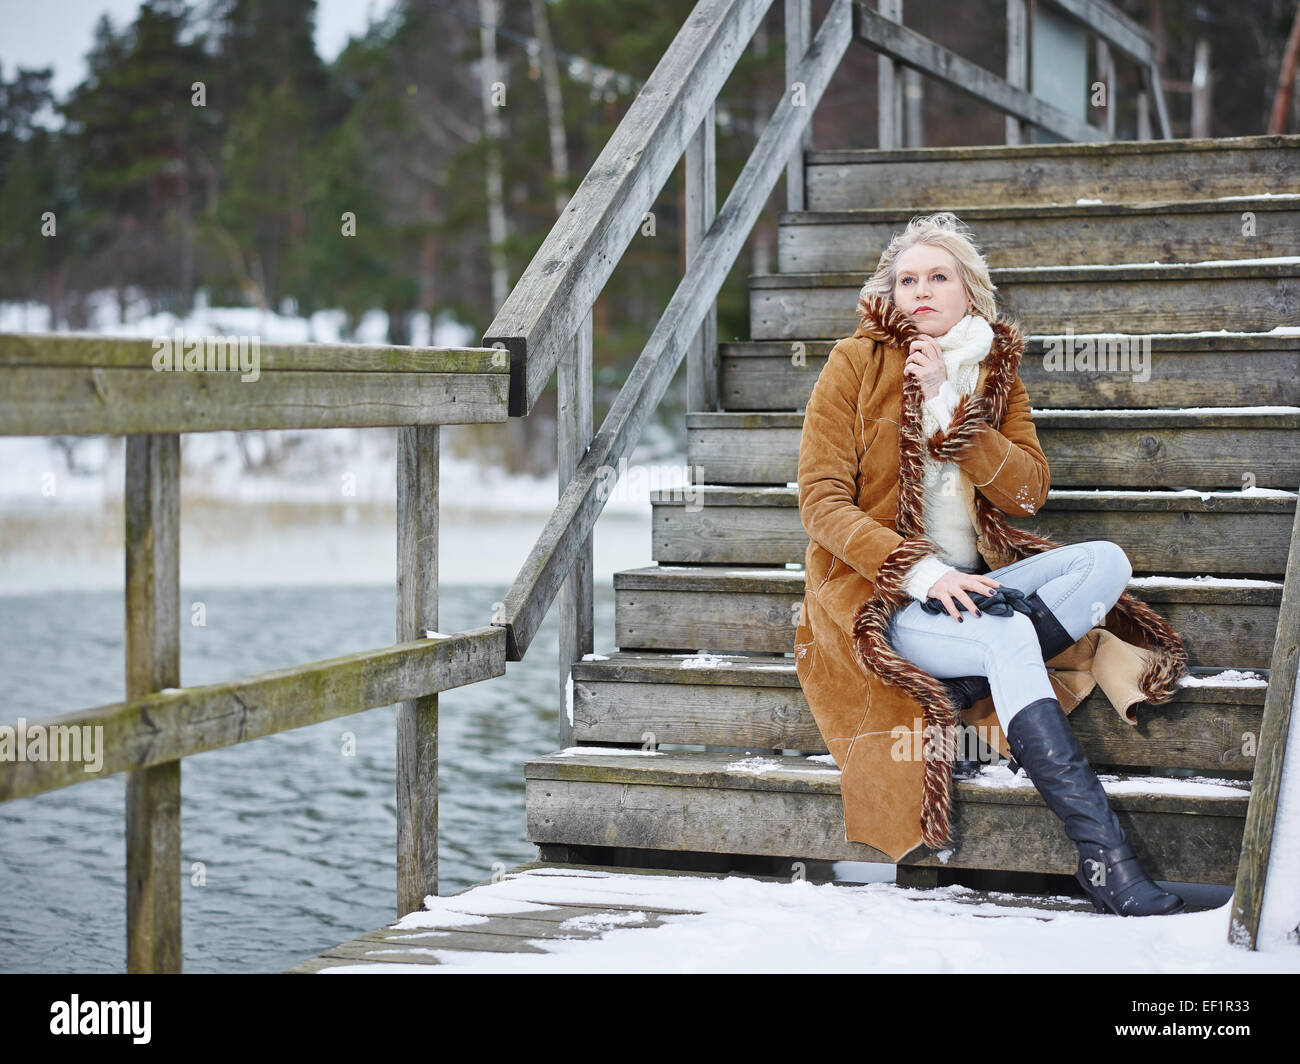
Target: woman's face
<point>926,276</point>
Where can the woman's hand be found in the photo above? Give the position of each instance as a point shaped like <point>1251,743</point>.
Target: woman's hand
<point>953,586</point>
<point>925,362</point>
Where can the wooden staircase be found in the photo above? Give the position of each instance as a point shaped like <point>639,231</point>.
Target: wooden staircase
<point>697,737</point>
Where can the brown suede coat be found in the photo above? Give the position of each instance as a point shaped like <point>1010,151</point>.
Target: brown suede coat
<point>860,499</point>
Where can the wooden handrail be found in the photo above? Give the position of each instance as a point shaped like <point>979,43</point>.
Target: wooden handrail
<point>167,725</point>
<point>77,385</point>
<point>557,290</point>
<point>558,547</point>
<point>1113,26</point>
<point>1117,29</point>
<point>910,48</point>
<point>1270,751</point>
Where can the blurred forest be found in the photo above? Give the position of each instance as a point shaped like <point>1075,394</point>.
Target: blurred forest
<point>210,147</point>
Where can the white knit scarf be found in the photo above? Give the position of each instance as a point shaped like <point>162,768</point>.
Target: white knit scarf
<point>964,347</point>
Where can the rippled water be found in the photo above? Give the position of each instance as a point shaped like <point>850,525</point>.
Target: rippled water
<point>297,842</point>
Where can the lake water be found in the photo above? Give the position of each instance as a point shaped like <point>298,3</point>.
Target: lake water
<point>296,841</point>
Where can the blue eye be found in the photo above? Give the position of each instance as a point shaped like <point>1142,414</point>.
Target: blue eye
<point>941,275</point>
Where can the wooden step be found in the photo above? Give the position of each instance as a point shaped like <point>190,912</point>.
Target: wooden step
<point>1249,295</point>
<point>1142,370</point>
<point>1182,830</point>
<point>1034,235</point>
<point>1225,622</point>
<point>1201,448</point>
<point>1230,532</point>
<point>755,702</point>
<point>1112,171</point>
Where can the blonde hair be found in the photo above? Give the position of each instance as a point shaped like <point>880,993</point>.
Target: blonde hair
<point>944,230</point>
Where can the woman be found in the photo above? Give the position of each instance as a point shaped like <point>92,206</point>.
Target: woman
<point>917,439</point>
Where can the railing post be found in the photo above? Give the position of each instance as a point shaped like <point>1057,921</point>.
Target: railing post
<point>798,35</point>
<point>1151,82</point>
<point>701,209</point>
<point>1201,82</point>
<point>1143,116</point>
<point>1106,75</point>
<point>1256,900</point>
<point>889,86</point>
<point>1017,62</point>
<point>913,94</point>
<point>573,427</point>
<point>417,612</point>
<point>153,795</point>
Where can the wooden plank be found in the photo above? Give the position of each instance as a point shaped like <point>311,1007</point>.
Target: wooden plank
<point>755,703</point>
<point>70,350</point>
<point>557,548</point>
<point>153,792</point>
<point>1017,63</point>
<point>560,285</point>
<point>577,594</point>
<point>86,400</point>
<point>911,48</point>
<point>1229,624</point>
<point>1228,533</point>
<point>1112,171</point>
<point>1153,90</point>
<point>1181,371</point>
<point>1257,841</point>
<point>1111,24</point>
<point>691,801</point>
<point>1245,297</point>
<point>1055,235</point>
<point>417,613</point>
<point>153,729</point>
<point>798,31</point>
<point>701,209</point>
<point>1106,75</point>
<point>1163,449</point>
<point>889,111</point>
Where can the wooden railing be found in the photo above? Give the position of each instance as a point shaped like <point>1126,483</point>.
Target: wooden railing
<point>1266,784</point>
<point>76,385</point>
<point>1111,29</point>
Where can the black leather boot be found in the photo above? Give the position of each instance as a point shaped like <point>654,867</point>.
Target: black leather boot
<point>1053,637</point>
<point>1043,742</point>
<point>965,691</point>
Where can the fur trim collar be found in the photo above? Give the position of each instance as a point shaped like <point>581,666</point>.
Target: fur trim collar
<point>884,322</point>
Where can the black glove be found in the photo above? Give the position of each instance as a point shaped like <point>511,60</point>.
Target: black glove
<point>1000,602</point>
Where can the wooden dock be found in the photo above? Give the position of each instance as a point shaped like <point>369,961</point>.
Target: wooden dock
<point>541,918</point>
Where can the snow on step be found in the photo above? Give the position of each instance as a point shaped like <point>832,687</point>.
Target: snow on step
<point>1001,777</point>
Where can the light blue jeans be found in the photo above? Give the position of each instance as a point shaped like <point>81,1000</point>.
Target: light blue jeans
<point>1079,583</point>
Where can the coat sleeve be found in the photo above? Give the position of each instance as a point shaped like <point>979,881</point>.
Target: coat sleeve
<point>828,470</point>
<point>1006,464</point>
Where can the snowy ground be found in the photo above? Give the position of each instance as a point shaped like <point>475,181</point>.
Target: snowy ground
<point>749,925</point>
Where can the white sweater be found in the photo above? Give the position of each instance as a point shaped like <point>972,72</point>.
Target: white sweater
<point>944,513</point>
